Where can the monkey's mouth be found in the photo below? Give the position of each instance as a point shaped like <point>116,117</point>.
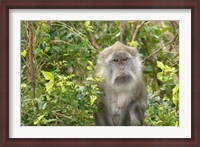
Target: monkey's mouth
<point>123,79</point>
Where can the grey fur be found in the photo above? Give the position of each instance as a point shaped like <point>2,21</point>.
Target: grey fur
<point>124,99</point>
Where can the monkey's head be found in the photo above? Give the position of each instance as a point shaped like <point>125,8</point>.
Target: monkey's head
<point>119,65</point>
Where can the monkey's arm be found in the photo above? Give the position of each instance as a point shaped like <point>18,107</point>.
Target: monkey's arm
<point>136,112</point>
<point>103,117</point>
<point>138,106</point>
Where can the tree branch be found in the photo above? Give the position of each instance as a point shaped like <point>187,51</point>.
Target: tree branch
<point>30,61</point>
<point>152,63</point>
<point>93,40</point>
<point>121,28</point>
<point>160,48</point>
<point>137,29</point>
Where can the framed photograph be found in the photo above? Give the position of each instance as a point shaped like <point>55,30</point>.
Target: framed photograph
<point>50,52</point>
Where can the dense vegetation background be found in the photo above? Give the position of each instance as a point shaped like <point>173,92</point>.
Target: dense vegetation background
<point>58,59</point>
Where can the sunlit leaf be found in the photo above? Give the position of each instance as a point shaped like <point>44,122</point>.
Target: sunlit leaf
<point>92,99</point>
<point>160,65</point>
<point>23,53</point>
<point>160,76</point>
<point>175,94</point>
<point>23,85</point>
<point>44,106</point>
<point>90,62</point>
<point>40,117</point>
<point>48,75</point>
<point>89,68</point>
<point>49,86</point>
<point>90,29</point>
<point>89,79</point>
<point>133,43</point>
<point>87,23</point>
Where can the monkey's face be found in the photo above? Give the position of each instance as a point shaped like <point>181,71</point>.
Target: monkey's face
<point>121,66</point>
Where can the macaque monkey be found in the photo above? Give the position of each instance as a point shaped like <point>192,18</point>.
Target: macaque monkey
<point>124,99</point>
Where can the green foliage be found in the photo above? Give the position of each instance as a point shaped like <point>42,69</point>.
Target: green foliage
<point>164,111</point>
<point>64,55</point>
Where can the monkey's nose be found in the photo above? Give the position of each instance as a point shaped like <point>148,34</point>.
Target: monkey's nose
<point>121,68</point>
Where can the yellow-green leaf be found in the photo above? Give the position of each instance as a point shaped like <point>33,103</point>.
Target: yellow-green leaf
<point>49,86</point>
<point>60,83</point>
<point>89,68</point>
<point>89,79</point>
<point>48,98</point>
<point>23,53</point>
<point>160,76</point>
<point>92,99</point>
<point>48,76</point>
<point>23,85</point>
<point>90,63</point>
<point>36,122</point>
<point>40,117</point>
<point>175,89</point>
<point>175,94</point>
<point>133,43</point>
<point>90,29</point>
<point>87,23</point>
<point>160,65</point>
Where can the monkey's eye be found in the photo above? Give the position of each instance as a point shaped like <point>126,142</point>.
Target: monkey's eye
<point>125,59</point>
<point>116,60</point>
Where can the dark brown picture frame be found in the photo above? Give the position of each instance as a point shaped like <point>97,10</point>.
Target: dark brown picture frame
<point>6,5</point>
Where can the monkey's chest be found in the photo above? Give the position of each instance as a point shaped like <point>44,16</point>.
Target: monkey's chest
<point>118,104</point>
<point>120,99</point>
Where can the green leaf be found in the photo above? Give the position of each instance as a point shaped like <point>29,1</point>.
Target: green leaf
<point>175,95</point>
<point>176,88</point>
<point>133,43</point>
<point>158,32</point>
<point>169,69</point>
<point>47,48</point>
<point>63,89</point>
<point>170,117</point>
<point>38,51</point>
<point>160,76</point>
<point>49,86</point>
<point>60,84</point>
<point>117,35</point>
<point>44,25</point>
<point>89,68</point>
<point>57,49</point>
<point>23,53</point>
<point>36,122</point>
<point>89,79</point>
<point>40,117</point>
<point>69,83</point>
<point>44,106</point>
<point>48,76</point>
<point>23,85</point>
<point>90,29</point>
<point>176,123</point>
<point>51,120</point>
<point>160,65</point>
<point>92,99</point>
<point>90,63</point>
<point>165,98</point>
<point>87,23</point>
<point>48,98</point>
